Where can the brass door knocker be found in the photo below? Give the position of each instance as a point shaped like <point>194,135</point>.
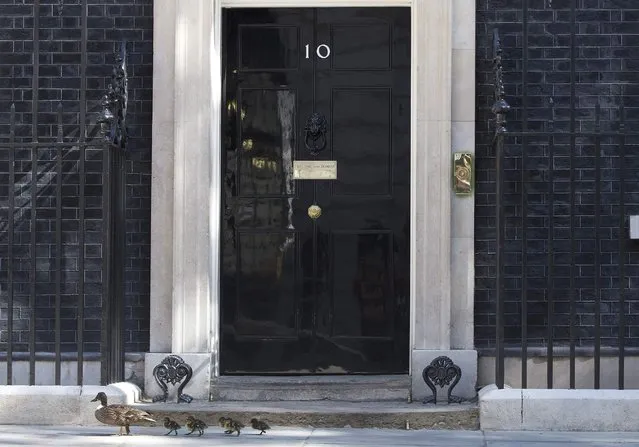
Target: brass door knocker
<point>315,133</point>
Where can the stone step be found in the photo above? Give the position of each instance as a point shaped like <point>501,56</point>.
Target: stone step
<point>312,388</point>
<point>325,414</point>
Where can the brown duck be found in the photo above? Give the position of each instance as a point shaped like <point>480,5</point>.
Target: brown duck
<point>120,415</point>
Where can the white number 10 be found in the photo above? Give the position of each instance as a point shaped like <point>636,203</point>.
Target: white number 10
<point>322,51</point>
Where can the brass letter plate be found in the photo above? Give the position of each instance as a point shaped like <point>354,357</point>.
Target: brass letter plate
<point>315,169</point>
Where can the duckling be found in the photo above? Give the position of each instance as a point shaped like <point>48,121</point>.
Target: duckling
<point>120,415</point>
<point>231,425</point>
<point>260,425</point>
<point>224,423</point>
<point>171,425</point>
<point>195,424</point>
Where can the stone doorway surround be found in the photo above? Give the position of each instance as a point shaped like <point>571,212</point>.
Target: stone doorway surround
<point>185,208</point>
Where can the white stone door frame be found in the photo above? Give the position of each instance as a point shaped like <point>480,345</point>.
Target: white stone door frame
<point>186,181</point>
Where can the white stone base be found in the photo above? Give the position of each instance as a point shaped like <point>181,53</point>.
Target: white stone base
<point>45,371</point>
<point>537,367</point>
<point>198,386</point>
<point>465,359</point>
<point>59,405</point>
<point>559,410</point>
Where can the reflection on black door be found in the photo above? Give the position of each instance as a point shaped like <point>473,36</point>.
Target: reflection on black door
<point>330,295</point>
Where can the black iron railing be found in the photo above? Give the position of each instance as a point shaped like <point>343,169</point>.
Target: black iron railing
<point>62,227</point>
<point>548,184</point>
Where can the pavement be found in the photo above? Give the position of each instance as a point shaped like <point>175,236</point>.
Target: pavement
<point>72,436</point>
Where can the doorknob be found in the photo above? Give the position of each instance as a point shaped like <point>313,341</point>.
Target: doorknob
<point>314,211</point>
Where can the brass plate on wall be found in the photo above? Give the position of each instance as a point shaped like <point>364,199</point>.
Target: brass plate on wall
<point>463,173</point>
<point>315,169</point>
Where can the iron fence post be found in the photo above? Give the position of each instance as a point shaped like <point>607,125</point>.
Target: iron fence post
<point>500,108</point>
<point>113,125</point>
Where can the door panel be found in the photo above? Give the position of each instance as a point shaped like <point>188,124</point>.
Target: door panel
<point>266,285</point>
<point>361,46</point>
<point>267,141</point>
<point>366,89</point>
<point>304,296</point>
<point>265,323</point>
<point>362,140</point>
<point>257,44</point>
<point>362,284</point>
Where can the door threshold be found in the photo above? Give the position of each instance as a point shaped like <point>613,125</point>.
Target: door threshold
<point>333,378</point>
<point>325,387</point>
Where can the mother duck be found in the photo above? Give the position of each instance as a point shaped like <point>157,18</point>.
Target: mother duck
<point>119,415</point>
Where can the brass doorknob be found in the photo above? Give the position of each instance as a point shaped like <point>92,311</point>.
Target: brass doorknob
<point>314,212</point>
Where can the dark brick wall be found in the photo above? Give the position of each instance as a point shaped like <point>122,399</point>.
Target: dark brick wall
<point>109,21</point>
<point>606,72</point>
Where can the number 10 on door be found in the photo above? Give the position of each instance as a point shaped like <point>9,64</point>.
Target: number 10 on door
<point>322,51</point>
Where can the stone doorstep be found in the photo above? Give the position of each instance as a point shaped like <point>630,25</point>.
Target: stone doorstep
<point>71,405</point>
<point>311,388</point>
<point>326,401</point>
<point>559,409</point>
<point>327,414</point>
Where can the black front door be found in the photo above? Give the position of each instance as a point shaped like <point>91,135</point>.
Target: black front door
<point>330,294</point>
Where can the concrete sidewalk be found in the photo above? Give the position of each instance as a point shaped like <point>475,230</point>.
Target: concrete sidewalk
<point>69,436</point>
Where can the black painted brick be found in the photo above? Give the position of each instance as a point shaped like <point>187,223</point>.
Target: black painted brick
<point>109,22</point>
<point>607,71</point>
